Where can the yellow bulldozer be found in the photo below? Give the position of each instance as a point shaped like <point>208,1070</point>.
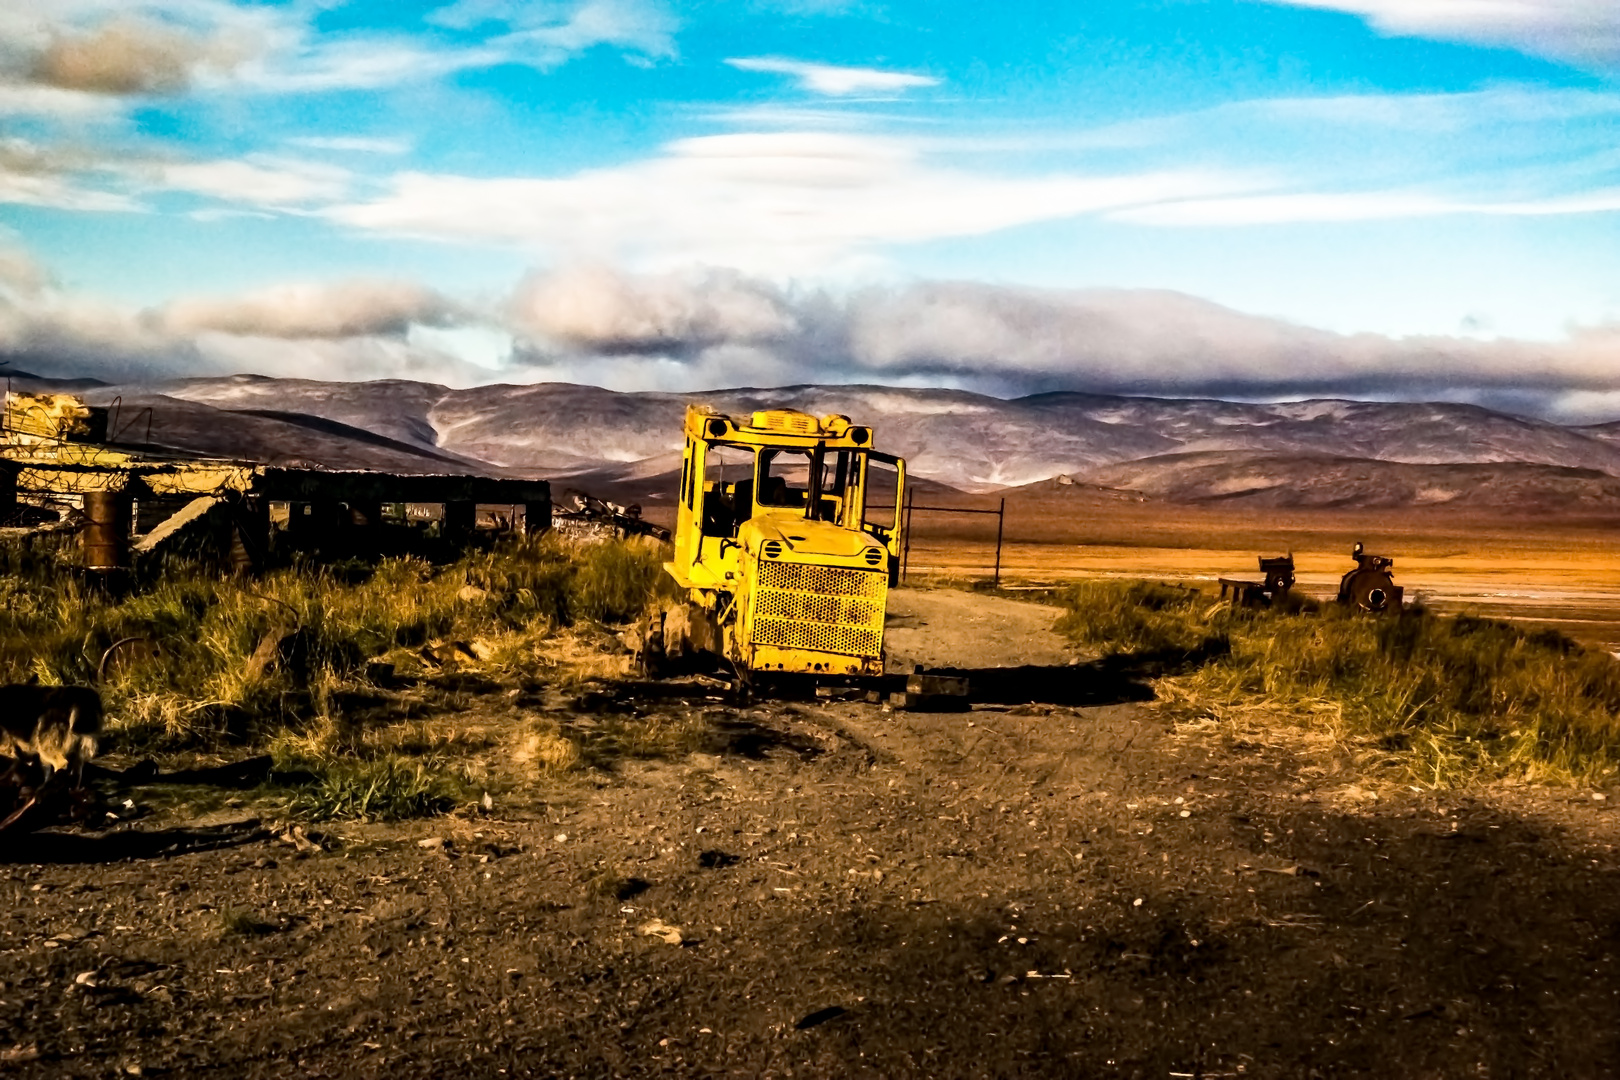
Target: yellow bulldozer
<point>787,539</point>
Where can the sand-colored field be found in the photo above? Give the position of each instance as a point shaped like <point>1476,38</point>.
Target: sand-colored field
<point>1564,574</point>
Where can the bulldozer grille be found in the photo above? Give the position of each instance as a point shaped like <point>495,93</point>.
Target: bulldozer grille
<point>820,608</point>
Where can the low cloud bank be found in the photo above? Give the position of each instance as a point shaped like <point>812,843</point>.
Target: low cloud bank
<point>709,329</point>
<point>1010,340</point>
<point>345,309</point>
<point>348,330</point>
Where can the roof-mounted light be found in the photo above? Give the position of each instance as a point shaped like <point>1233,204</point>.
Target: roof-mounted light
<point>786,422</point>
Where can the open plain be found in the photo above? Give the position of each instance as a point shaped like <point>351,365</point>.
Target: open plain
<point>1545,570</point>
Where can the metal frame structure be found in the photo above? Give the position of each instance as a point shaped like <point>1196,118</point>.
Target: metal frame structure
<point>53,453</point>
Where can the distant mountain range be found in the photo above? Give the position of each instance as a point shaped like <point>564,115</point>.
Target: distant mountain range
<point>1310,453</point>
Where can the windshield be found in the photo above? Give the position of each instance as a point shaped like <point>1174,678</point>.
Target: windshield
<point>784,478</point>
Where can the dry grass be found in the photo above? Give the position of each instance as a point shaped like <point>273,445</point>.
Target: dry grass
<point>306,661</point>
<point>1448,699</point>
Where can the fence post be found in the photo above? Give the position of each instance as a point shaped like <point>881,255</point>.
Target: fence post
<point>905,542</point>
<point>1001,520</point>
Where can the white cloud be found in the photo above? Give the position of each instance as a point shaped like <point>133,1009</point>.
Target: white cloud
<point>1356,206</point>
<point>21,275</point>
<point>1582,31</point>
<point>32,100</point>
<point>346,359</point>
<point>602,310</point>
<point>345,330</point>
<point>547,35</point>
<point>129,49</point>
<point>707,330</point>
<point>129,56</point>
<point>833,80</point>
<point>353,144</point>
<point>639,28</point>
<point>59,193</point>
<point>258,180</point>
<point>32,175</point>
<point>343,309</point>
<point>354,64</point>
<point>784,202</point>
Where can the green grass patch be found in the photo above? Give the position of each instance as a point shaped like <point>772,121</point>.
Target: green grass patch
<point>1450,698</point>
<point>387,788</point>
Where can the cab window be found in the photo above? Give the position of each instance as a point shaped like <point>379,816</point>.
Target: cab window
<point>784,478</point>
<point>727,484</point>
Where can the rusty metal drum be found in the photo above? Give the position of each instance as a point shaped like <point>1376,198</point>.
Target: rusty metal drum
<point>106,530</point>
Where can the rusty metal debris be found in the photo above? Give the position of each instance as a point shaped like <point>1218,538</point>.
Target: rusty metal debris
<point>1279,579</point>
<point>48,734</point>
<point>1369,587</point>
<point>583,516</point>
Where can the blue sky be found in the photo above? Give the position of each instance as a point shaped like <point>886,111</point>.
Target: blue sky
<point>1254,197</point>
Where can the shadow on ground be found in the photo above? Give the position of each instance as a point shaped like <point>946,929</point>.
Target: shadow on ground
<point>1113,680</point>
<point>1407,950</point>
<point>49,846</point>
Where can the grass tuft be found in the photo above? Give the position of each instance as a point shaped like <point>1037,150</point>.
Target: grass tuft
<point>1451,698</point>
<point>387,788</point>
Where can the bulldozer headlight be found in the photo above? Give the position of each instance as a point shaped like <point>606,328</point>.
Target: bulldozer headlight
<point>717,429</point>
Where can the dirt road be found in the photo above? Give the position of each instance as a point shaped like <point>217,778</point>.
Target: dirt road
<point>832,890</point>
<point>954,629</point>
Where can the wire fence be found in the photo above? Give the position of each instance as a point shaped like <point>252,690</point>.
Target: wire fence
<point>912,509</point>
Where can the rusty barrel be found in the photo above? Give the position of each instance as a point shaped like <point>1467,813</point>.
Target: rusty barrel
<point>106,530</point>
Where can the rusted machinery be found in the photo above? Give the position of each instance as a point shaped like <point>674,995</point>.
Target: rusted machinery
<point>55,465</point>
<point>1369,587</point>
<point>1279,578</point>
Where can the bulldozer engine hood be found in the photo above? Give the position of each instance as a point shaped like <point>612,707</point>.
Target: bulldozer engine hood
<point>800,536</point>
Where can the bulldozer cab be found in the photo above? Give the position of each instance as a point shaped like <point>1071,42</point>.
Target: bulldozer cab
<point>789,473</point>
<point>787,537</point>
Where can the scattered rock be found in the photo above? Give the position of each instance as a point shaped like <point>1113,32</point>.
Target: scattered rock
<point>660,929</point>
<point>472,594</point>
<point>296,837</point>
